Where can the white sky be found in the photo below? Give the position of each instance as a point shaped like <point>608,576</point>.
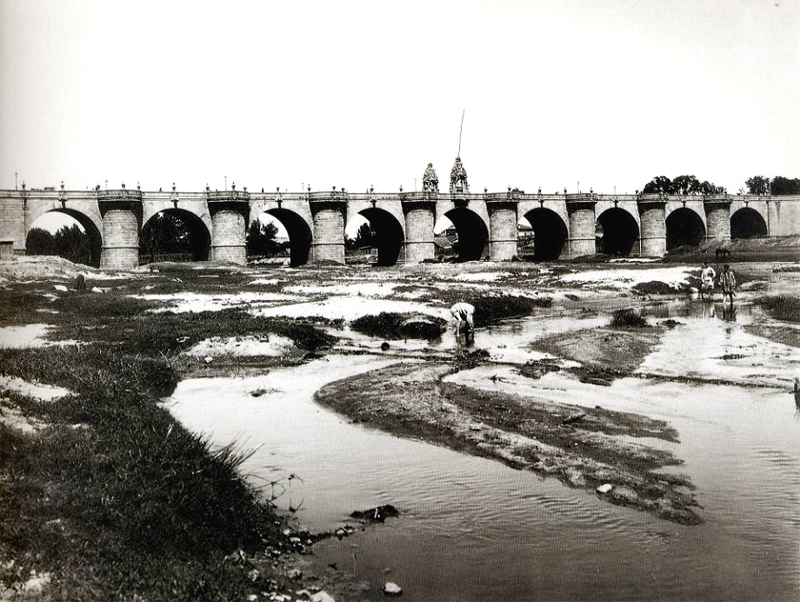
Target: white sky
<point>352,93</point>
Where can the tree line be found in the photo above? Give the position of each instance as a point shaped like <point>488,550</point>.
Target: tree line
<point>683,185</point>
<point>69,242</point>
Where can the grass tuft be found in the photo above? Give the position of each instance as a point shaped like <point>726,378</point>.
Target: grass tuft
<point>781,307</point>
<point>627,318</point>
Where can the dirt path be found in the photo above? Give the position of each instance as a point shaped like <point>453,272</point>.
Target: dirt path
<point>580,446</point>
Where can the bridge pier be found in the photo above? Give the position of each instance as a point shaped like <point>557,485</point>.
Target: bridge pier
<point>121,211</point>
<point>328,211</point>
<point>502,228</point>
<point>420,217</point>
<point>653,225</point>
<point>718,218</point>
<point>229,212</point>
<point>581,241</point>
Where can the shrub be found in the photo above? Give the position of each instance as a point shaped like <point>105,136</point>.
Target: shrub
<point>627,318</point>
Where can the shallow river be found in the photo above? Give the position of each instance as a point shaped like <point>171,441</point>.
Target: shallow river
<point>474,529</point>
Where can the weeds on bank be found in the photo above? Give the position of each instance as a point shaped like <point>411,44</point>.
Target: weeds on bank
<point>627,318</point>
<point>391,325</point>
<point>781,307</point>
<point>124,321</point>
<point>493,308</point>
<point>128,502</point>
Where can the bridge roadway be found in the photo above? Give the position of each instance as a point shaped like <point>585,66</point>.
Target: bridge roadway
<point>564,225</point>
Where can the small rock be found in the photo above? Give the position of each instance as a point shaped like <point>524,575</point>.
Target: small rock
<point>384,346</point>
<point>96,289</point>
<point>392,589</point>
<point>208,359</point>
<point>252,597</point>
<point>61,288</point>
<point>322,596</point>
<point>36,584</point>
<point>572,418</point>
<point>605,488</point>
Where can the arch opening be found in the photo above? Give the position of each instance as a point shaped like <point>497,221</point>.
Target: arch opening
<point>174,235</point>
<point>66,233</point>
<point>381,233</point>
<point>618,232</point>
<point>472,234</point>
<point>684,227</point>
<point>748,223</point>
<point>549,234</point>
<point>298,232</point>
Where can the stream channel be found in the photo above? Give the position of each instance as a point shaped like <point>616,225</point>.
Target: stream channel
<point>474,529</point>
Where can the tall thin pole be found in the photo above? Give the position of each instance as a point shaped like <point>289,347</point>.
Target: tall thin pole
<point>461,129</point>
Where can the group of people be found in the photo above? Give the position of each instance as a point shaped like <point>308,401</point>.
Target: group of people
<point>727,282</point>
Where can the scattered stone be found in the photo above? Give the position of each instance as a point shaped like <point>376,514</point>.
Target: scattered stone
<point>392,589</point>
<point>208,359</point>
<point>61,288</point>
<point>573,418</point>
<point>34,585</point>
<point>322,596</point>
<point>605,488</point>
<point>80,282</point>
<point>731,356</point>
<point>97,289</point>
<point>379,514</point>
<point>385,346</point>
<point>670,323</point>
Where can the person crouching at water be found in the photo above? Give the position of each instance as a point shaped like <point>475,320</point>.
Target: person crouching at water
<point>707,281</point>
<point>463,315</point>
<point>727,282</point>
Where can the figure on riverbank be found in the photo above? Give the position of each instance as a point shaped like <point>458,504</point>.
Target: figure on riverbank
<point>727,282</point>
<point>707,281</point>
<point>458,177</point>
<point>430,181</point>
<point>463,315</point>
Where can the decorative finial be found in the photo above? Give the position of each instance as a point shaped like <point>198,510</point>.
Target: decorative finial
<point>173,187</point>
<point>123,185</point>
<point>233,185</point>
<point>309,188</point>
<point>62,184</point>
<point>401,188</point>
<point>485,190</point>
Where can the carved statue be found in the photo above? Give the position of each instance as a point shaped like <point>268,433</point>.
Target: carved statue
<point>458,177</point>
<point>430,181</point>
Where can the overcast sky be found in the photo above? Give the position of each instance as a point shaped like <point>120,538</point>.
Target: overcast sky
<point>355,94</point>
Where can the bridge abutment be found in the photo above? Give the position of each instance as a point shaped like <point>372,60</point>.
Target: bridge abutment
<point>718,218</point>
<point>328,211</point>
<point>420,217</point>
<point>502,228</point>
<point>121,211</point>
<point>653,225</point>
<point>581,241</point>
<point>229,212</point>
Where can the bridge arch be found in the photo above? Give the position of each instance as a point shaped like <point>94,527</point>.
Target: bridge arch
<point>549,233</point>
<point>89,227</point>
<point>748,223</point>
<point>388,239</point>
<point>199,243</point>
<point>299,234</point>
<point>472,231</point>
<point>684,227</point>
<point>619,232</point>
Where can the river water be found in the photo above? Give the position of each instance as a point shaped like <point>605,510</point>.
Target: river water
<point>473,529</point>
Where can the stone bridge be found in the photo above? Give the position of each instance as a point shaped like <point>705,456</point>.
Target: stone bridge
<point>565,226</point>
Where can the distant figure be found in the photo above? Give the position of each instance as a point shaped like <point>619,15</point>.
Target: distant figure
<point>463,315</point>
<point>727,282</point>
<point>80,283</point>
<point>707,276</point>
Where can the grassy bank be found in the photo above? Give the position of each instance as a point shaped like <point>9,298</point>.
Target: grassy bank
<point>112,496</point>
<point>781,307</point>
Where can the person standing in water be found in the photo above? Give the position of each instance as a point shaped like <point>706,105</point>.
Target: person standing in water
<point>707,281</point>
<point>727,282</point>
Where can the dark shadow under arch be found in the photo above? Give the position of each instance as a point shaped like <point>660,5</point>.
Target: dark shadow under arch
<point>299,235</point>
<point>620,232</point>
<point>388,239</point>
<point>748,223</point>
<point>472,234</point>
<point>94,235</point>
<point>549,233</point>
<point>684,227</point>
<point>196,248</point>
